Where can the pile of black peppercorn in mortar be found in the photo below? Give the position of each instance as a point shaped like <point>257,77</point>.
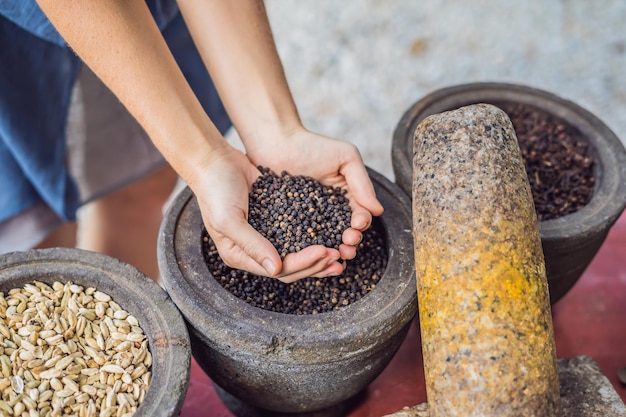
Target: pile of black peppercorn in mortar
<point>294,212</point>
<point>559,163</point>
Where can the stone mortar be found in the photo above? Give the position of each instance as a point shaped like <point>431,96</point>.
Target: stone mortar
<point>133,291</point>
<point>569,242</point>
<point>283,362</point>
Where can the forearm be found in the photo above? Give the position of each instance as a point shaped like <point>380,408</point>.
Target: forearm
<point>237,46</point>
<point>121,43</point>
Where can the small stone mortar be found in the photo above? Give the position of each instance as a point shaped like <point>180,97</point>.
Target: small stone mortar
<point>569,242</point>
<point>134,292</point>
<point>277,364</point>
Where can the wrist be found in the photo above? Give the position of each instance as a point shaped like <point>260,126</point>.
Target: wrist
<point>190,149</point>
<point>268,136</point>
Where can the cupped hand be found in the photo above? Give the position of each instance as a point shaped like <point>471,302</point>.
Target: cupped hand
<point>222,192</point>
<point>332,162</point>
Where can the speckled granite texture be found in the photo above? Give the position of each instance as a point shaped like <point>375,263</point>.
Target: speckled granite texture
<point>484,310</point>
<point>585,392</point>
<point>355,66</point>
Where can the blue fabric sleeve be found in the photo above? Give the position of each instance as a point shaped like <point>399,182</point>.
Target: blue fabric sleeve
<point>27,15</point>
<point>36,80</point>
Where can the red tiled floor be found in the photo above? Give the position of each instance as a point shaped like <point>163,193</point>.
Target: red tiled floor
<point>590,320</point>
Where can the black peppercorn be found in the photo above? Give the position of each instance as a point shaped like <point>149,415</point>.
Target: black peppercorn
<point>281,223</point>
<point>557,161</point>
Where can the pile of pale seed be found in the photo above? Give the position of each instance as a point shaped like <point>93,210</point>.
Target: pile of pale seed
<point>69,350</point>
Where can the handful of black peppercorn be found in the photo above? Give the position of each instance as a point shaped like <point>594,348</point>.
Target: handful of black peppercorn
<point>295,211</point>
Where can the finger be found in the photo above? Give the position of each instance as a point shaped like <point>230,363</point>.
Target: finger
<point>248,250</point>
<point>347,251</point>
<point>361,188</point>
<point>351,236</point>
<point>308,262</point>
<point>334,269</point>
<point>361,218</point>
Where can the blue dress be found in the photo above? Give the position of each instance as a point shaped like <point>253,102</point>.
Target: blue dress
<point>37,75</point>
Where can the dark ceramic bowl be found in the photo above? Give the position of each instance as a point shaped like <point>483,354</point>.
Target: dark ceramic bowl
<point>162,323</point>
<point>283,363</point>
<point>569,242</point>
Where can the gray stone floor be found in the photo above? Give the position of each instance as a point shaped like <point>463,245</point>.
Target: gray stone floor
<point>355,66</point>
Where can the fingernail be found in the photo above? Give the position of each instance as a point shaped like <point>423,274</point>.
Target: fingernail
<point>269,266</point>
<point>333,274</point>
<point>332,260</point>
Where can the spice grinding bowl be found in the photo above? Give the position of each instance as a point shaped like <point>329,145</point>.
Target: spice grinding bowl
<point>168,340</point>
<point>571,241</point>
<point>268,363</point>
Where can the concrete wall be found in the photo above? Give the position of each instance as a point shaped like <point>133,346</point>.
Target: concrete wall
<point>355,66</point>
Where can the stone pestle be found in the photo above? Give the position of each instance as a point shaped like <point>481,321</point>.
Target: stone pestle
<point>484,308</point>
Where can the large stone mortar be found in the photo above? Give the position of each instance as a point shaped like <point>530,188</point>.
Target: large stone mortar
<point>283,364</point>
<point>140,296</point>
<point>569,242</point>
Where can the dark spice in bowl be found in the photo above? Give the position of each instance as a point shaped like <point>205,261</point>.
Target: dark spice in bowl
<point>294,212</point>
<point>558,161</point>
<point>308,295</point>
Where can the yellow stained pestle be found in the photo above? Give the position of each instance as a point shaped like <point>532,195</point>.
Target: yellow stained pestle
<point>484,308</point>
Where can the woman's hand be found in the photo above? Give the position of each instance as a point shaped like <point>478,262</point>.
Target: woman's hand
<point>257,98</point>
<point>222,193</point>
<point>330,161</point>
